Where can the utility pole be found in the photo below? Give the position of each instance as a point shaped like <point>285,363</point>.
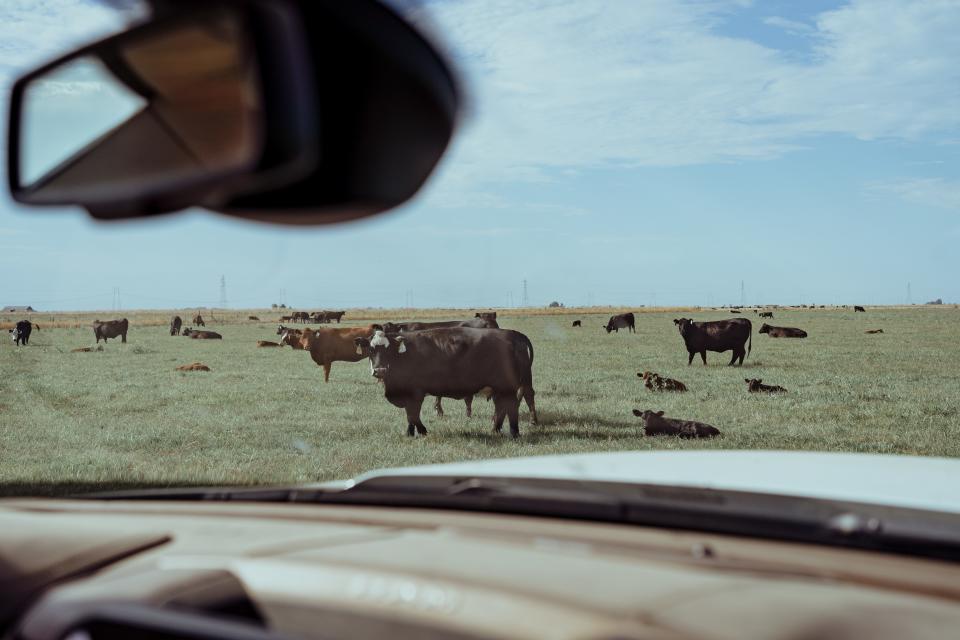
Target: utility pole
<point>223,292</point>
<point>525,300</point>
<point>909,297</point>
<point>743,295</point>
<point>510,299</point>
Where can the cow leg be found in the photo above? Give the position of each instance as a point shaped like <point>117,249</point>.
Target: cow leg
<point>123,338</point>
<point>438,407</point>
<point>703,356</point>
<point>733,359</point>
<point>528,394</point>
<point>326,371</point>
<point>413,406</point>
<point>499,413</point>
<point>742,354</point>
<point>690,359</point>
<point>468,401</point>
<point>513,413</point>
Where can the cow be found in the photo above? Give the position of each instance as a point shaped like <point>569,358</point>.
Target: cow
<point>327,346</point>
<point>734,311</point>
<point>175,323</point>
<point>874,331</point>
<point>198,320</point>
<point>766,314</point>
<point>286,319</point>
<point>656,382</point>
<point>195,366</point>
<point>654,424</point>
<point>320,317</point>
<point>202,335</point>
<point>716,335</point>
<point>301,316</point>
<point>253,318</point>
<point>755,385</point>
<point>453,362</point>
<point>474,323</point>
<point>490,317</point>
<point>110,329</point>
<point>782,332</point>
<point>267,343</point>
<point>336,315</point>
<point>621,321</point>
<point>857,308</point>
<point>576,323</point>
<point>20,333</point>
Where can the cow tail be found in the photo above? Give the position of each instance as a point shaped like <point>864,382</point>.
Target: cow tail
<point>750,341</point>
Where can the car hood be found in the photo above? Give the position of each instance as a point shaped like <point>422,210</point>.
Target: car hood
<point>903,481</point>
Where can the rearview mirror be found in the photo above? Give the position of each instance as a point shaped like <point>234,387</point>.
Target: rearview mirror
<point>165,108</point>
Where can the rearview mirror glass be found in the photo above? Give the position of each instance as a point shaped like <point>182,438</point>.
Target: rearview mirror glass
<point>165,106</point>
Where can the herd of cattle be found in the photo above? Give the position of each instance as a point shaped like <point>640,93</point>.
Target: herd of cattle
<point>463,358</point>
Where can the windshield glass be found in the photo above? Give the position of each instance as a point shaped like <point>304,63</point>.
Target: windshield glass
<point>643,192</point>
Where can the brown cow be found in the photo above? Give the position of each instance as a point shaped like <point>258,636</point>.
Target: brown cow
<point>110,329</point>
<point>327,346</point>
<point>755,385</point>
<point>175,323</point>
<point>874,331</point>
<point>198,320</point>
<point>654,424</point>
<point>201,335</point>
<point>196,366</point>
<point>254,318</point>
<point>656,382</point>
<point>782,332</point>
<point>267,343</point>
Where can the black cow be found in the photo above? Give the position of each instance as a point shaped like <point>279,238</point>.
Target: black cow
<point>654,424</point>
<point>717,335</point>
<point>474,323</point>
<point>782,332</point>
<point>202,335</point>
<point>175,323</point>
<point>110,329</point>
<point>755,385</point>
<point>621,321</point>
<point>198,320</point>
<point>334,315</point>
<point>453,362</point>
<point>766,314</point>
<point>576,323</point>
<point>20,333</point>
<point>859,308</point>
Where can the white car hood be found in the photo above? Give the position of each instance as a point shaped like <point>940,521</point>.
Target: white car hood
<point>916,482</point>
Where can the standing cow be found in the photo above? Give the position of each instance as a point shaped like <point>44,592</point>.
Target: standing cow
<point>175,323</point>
<point>198,320</point>
<point>621,321</point>
<point>453,362</point>
<point>327,346</point>
<point>717,335</point>
<point>859,308</point>
<point>110,329</point>
<point>21,332</point>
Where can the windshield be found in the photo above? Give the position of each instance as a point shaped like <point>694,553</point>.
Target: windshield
<point>639,195</point>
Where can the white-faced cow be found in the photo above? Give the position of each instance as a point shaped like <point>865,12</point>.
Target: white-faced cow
<point>110,329</point>
<point>654,424</point>
<point>175,323</point>
<point>717,335</point>
<point>621,321</point>
<point>453,362</point>
<point>782,332</point>
<point>20,333</point>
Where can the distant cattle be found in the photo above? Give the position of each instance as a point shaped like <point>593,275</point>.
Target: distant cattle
<point>576,323</point>
<point>110,329</point>
<point>198,320</point>
<point>334,315</point>
<point>319,317</point>
<point>254,318</point>
<point>195,366</point>
<point>453,362</point>
<point>874,331</point>
<point>201,335</point>
<point>717,335</point>
<point>301,316</point>
<point>473,323</point>
<point>175,323</point>
<point>656,382</point>
<point>20,333</point>
<point>327,346</point>
<point>766,314</point>
<point>286,318</point>
<point>267,343</point>
<point>755,385</point>
<point>734,311</point>
<point>782,332</point>
<point>654,424</point>
<point>859,308</point>
<point>621,321</point>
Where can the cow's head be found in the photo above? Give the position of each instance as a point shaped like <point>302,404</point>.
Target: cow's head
<point>382,349</point>
<point>683,325</point>
<point>14,333</point>
<point>186,331</point>
<point>647,414</point>
<point>646,375</point>
<point>389,327</point>
<point>280,329</point>
<point>489,318</point>
<point>765,328</point>
<point>753,384</point>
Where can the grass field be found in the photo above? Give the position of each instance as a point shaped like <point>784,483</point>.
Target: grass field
<point>123,417</point>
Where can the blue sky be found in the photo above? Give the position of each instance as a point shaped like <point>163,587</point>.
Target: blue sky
<point>619,153</point>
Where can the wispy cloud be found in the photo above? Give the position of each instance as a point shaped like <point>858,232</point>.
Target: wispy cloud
<point>793,27</point>
<point>928,192</point>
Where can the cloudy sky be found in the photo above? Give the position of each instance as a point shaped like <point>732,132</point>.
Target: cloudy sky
<point>617,152</point>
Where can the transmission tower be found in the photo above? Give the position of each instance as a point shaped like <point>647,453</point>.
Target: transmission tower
<point>909,297</point>
<point>526,300</point>
<point>223,292</point>
<point>743,295</point>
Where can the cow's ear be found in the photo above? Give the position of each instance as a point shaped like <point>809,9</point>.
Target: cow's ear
<point>476,315</point>
<point>637,412</point>
<point>660,413</point>
<point>401,348</point>
<point>747,380</point>
<point>759,381</point>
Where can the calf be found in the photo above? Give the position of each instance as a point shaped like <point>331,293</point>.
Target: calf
<point>654,424</point>
<point>874,331</point>
<point>327,346</point>
<point>453,362</point>
<point>656,382</point>
<point>755,385</point>
<point>267,343</point>
<point>20,333</point>
<point>857,308</point>
<point>716,335</point>
<point>766,314</point>
<point>196,366</point>
<point>576,323</point>
<point>782,332</point>
<point>175,323</point>
<point>621,321</point>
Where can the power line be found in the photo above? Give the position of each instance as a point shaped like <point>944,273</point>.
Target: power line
<point>525,300</point>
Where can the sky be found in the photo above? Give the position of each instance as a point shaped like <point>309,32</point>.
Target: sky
<point>611,153</point>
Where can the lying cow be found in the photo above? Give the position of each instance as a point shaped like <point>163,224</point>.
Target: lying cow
<point>253,318</point>
<point>755,385</point>
<point>327,346</point>
<point>576,323</point>
<point>20,333</point>
<point>621,321</point>
<point>110,329</point>
<point>656,382</point>
<point>734,311</point>
<point>453,362</point>
<point>202,335</point>
<point>198,320</point>
<point>859,308</point>
<point>654,424</point>
<point>766,314</point>
<point>874,331</point>
<point>175,323</point>
<point>782,332</point>
<point>267,343</point>
<point>716,335</point>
